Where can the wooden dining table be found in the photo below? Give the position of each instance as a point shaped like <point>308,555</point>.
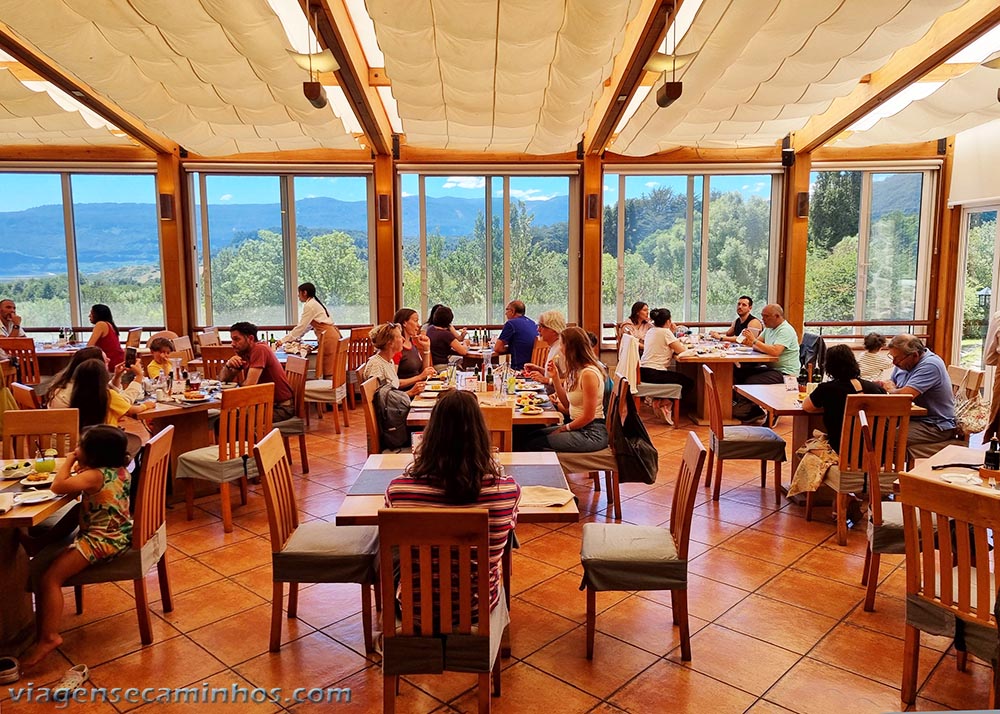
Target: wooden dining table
<point>722,362</point>
<point>17,618</point>
<point>420,415</point>
<point>190,422</point>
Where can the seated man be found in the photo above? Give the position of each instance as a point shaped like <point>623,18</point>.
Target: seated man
<point>744,320</point>
<point>517,336</point>
<point>778,340</point>
<point>10,321</point>
<point>255,363</point>
<point>919,372</point>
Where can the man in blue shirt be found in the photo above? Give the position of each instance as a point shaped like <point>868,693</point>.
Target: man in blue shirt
<point>517,336</point>
<point>922,374</point>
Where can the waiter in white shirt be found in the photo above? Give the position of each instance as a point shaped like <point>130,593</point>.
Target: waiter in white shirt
<point>10,321</point>
<point>316,316</point>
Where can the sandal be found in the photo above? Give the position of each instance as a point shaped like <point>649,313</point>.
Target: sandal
<point>667,413</point>
<point>71,681</point>
<point>10,670</point>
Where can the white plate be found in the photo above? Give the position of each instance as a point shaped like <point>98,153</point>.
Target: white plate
<point>530,411</point>
<point>17,473</point>
<point>529,388</point>
<point>41,482</point>
<point>195,401</point>
<point>962,479</point>
<point>24,499</point>
<point>435,387</point>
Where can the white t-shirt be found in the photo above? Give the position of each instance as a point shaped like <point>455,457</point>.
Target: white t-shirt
<point>657,353</point>
<point>312,311</point>
<point>376,366</point>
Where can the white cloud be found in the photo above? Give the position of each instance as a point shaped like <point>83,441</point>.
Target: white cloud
<point>745,187</point>
<point>607,188</point>
<point>226,197</point>
<point>531,194</point>
<point>468,182</point>
<point>407,195</point>
<point>651,184</point>
<point>759,186</point>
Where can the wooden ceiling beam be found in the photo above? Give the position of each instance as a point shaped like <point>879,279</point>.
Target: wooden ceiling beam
<point>337,33</point>
<point>75,152</point>
<point>628,75</point>
<point>949,33</point>
<point>46,69</point>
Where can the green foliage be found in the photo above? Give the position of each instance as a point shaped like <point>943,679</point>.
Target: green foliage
<point>834,207</point>
<point>978,274</point>
<point>831,281</point>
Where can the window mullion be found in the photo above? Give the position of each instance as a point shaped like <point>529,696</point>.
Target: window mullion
<point>864,236</point>
<point>287,188</point>
<point>72,268</point>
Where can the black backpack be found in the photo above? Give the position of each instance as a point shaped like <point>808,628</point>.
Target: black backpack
<point>391,407</point>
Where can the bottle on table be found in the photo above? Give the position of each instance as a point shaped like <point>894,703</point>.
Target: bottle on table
<point>489,379</point>
<point>991,459</point>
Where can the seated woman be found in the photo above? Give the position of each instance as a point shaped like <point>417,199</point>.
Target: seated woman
<point>105,335</point>
<point>657,361</point>
<point>459,334</point>
<point>160,348</point>
<point>454,467</point>
<point>414,360</point>
<point>388,341</point>
<point>62,384</point>
<point>444,341</point>
<point>582,389</point>
<point>637,324</point>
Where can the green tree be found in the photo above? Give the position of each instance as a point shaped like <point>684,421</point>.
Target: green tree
<point>834,207</point>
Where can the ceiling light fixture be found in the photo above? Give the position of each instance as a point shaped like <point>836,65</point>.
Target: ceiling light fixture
<point>670,92</point>
<point>312,89</point>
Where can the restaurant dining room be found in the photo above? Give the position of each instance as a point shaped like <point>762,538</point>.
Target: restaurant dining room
<point>447,356</point>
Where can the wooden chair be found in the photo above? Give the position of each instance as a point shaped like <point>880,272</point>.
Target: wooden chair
<point>25,396</point>
<point>23,349</point>
<point>149,538</point>
<point>134,337</point>
<point>950,585</point>
<point>500,423</point>
<point>620,556</point>
<point>756,443</point>
<point>183,349</point>
<point>314,552</point>
<point>359,349</point>
<point>295,372</point>
<point>594,462</point>
<point>57,429</point>
<point>209,338</point>
<point>889,416</point>
<point>331,391</point>
<point>368,389</point>
<point>213,359</point>
<point>443,627</point>
<point>628,354</point>
<point>8,373</point>
<point>540,353</point>
<point>245,414</point>
<point>169,334</point>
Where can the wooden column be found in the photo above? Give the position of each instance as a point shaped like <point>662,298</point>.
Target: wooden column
<point>791,293</point>
<point>175,245</point>
<point>944,277</point>
<point>386,257</point>
<point>592,187</point>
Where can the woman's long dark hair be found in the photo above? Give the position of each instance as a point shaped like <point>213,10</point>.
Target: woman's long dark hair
<point>310,290</point>
<point>102,313</point>
<point>90,392</point>
<point>66,375</point>
<point>636,308</point>
<point>455,453</point>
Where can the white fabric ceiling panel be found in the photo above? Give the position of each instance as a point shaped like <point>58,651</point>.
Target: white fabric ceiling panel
<point>787,58</point>
<point>517,75</point>
<point>192,70</point>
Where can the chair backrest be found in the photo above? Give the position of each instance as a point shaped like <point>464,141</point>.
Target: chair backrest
<point>942,570</point>
<point>540,353</point>
<point>296,370</point>
<point>714,403</point>
<point>25,396</point>
<point>889,417</point>
<point>208,338</point>
<point>340,359</point>
<point>368,389</point>
<point>134,337</point>
<point>151,497</point>
<point>23,348</point>
<point>685,493</point>
<point>872,470</point>
<point>360,348</point>
<point>246,414</point>
<point>7,373</point>
<point>437,551</point>
<point>26,429</point>
<point>328,342</point>
<point>213,359</point>
<point>183,349</point>
<point>500,423</point>
<point>965,383</point>
<point>279,489</point>
<point>169,334</point>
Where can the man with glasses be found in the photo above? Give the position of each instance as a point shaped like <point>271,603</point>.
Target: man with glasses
<point>922,374</point>
<point>517,336</point>
<point>777,340</point>
<point>744,320</point>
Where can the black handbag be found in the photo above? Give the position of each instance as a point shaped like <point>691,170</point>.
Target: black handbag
<point>637,458</point>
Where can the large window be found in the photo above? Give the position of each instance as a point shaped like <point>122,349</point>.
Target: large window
<point>475,242</point>
<point>663,247</point>
<point>75,239</point>
<point>260,236</point>
<point>866,253</point>
<point>979,286</point>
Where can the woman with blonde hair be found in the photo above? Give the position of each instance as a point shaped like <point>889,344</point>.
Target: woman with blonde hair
<point>582,389</point>
<point>387,339</point>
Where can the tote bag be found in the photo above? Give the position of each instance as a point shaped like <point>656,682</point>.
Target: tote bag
<point>637,458</point>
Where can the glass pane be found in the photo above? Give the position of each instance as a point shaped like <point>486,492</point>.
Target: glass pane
<point>609,256</point>
<point>891,287</point>
<point>118,247</point>
<point>33,270</point>
<point>981,236</point>
<point>331,226</point>
<point>199,254</point>
<point>244,227</point>
<point>495,302</point>
<point>410,220</point>
<point>739,239</point>
<point>832,257</point>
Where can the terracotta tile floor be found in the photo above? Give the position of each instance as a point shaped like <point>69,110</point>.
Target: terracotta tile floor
<point>775,606</point>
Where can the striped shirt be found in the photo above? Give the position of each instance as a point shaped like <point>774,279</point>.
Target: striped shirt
<point>500,497</point>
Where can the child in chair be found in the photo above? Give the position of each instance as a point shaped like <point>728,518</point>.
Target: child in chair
<point>874,361</point>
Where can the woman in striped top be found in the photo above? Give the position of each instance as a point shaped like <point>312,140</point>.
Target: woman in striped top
<point>454,467</point>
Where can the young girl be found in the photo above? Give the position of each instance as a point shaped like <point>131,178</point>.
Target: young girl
<point>874,362</point>
<point>96,470</point>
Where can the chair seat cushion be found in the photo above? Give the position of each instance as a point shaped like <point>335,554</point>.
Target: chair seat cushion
<point>129,565</point>
<point>856,481</point>
<point>620,556</point>
<point>888,537</point>
<point>319,552</point>
<point>321,390</point>
<point>291,427</point>
<point>204,463</point>
<point>749,442</point>
<point>659,391</point>
<point>586,461</point>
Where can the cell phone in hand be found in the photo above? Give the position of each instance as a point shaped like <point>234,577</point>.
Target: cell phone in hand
<point>130,355</point>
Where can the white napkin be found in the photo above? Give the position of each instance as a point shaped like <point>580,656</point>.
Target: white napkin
<point>544,496</point>
<point>6,502</point>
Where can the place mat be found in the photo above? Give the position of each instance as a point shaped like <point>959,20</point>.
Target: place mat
<point>373,482</point>
<point>536,475</point>
<point>422,403</point>
<point>544,497</point>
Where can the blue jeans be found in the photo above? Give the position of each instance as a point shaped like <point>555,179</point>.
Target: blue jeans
<point>592,437</point>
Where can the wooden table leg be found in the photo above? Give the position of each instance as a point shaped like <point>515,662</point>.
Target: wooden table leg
<point>17,619</point>
<point>724,381</point>
<point>190,432</point>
